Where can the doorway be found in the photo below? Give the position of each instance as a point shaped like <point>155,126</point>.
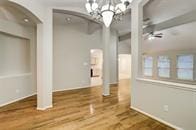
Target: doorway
<point>124,66</point>
<point>96,67</point>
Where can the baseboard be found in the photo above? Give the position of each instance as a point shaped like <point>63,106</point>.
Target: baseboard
<point>18,99</point>
<point>156,118</point>
<point>42,109</point>
<point>61,90</point>
<point>105,95</point>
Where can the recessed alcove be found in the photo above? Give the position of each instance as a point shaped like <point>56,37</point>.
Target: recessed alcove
<point>14,55</point>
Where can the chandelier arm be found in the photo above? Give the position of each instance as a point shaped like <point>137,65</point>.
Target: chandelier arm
<point>116,2</point>
<point>102,3</point>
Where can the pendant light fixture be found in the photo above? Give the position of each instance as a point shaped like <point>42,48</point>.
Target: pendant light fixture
<point>107,9</point>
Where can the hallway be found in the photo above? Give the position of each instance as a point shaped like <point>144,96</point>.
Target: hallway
<point>82,109</point>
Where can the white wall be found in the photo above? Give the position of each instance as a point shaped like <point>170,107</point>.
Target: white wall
<point>124,47</point>
<point>152,97</point>
<point>72,56</point>
<point>124,66</point>
<point>72,47</point>
<point>17,56</point>
<point>14,55</point>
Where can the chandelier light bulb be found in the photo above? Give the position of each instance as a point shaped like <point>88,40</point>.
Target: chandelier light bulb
<point>120,8</point>
<point>88,7</point>
<point>94,6</point>
<point>122,1</point>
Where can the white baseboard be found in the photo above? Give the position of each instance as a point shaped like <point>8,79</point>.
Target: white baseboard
<point>18,99</point>
<point>105,95</point>
<point>156,118</point>
<point>44,108</point>
<point>61,90</point>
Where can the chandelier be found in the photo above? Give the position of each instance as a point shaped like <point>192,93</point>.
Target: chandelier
<point>107,9</point>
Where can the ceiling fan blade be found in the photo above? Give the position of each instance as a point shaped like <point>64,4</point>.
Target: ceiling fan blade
<point>158,36</point>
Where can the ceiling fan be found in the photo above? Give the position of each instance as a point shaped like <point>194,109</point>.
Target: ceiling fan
<point>152,36</point>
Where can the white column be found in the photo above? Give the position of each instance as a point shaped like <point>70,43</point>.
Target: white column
<point>113,57</point>
<point>136,41</point>
<point>106,59</point>
<point>45,61</point>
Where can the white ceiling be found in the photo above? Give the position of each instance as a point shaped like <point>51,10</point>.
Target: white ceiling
<point>62,19</point>
<point>176,38</point>
<point>157,10</point>
<point>10,13</point>
<point>162,10</point>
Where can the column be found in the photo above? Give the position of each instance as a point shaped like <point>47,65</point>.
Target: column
<point>136,42</point>
<point>45,61</point>
<point>106,58</point>
<point>113,57</point>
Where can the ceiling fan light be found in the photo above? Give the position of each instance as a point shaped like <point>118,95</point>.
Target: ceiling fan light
<point>151,38</point>
<point>107,17</point>
<point>88,7</point>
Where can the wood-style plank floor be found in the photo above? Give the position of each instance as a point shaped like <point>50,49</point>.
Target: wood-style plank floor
<point>83,109</point>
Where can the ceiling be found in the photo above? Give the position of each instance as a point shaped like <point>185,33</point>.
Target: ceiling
<point>10,13</point>
<point>64,19</point>
<point>162,10</point>
<point>157,10</point>
<point>176,38</point>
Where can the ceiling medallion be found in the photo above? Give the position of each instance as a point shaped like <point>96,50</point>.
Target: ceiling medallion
<point>107,9</point>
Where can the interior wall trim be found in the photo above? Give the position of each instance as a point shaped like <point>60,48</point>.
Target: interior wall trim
<point>186,87</point>
<point>15,75</point>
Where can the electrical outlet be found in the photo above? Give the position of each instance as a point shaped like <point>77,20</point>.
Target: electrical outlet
<point>166,108</point>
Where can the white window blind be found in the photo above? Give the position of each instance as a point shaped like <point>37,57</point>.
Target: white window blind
<point>148,66</point>
<point>164,66</point>
<point>185,67</point>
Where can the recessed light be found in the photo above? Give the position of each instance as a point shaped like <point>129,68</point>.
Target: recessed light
<point>68,19</point>
<point>26,20</point>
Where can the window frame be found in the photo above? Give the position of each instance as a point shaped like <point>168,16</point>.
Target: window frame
<point>143,66</point>
<point>170,66</point>
<point>176,67</point>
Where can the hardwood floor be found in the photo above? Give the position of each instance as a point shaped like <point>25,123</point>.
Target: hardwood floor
<point>83,109</point>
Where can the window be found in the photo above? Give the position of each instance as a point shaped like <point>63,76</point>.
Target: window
<point>164,66</point>
<point>185,67</point>
<point>148,66</point>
